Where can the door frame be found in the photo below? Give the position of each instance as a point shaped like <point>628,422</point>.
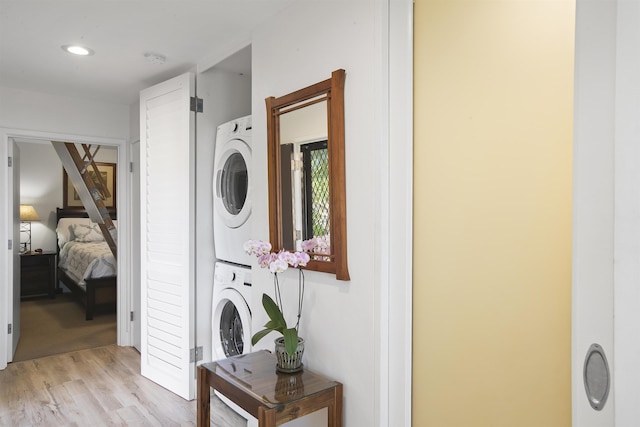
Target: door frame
<point>7,136</point>
<point>606,224</point>
<point>134,226</point>
<point>394,293</point>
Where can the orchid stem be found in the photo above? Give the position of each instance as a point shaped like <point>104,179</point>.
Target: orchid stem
<point>276,285</point>
<point>300,295</point>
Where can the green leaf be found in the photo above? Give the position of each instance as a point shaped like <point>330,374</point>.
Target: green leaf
<point>273,311</point>
<point>275,326</point>
<point>290,340</point>
<point>259,335</point>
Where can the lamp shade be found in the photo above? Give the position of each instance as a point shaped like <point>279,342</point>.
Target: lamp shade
<point>28,213</point>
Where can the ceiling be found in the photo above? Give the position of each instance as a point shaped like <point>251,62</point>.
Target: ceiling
<point>187,33</point>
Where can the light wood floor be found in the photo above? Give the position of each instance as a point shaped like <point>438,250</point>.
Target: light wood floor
<point>97,387</point>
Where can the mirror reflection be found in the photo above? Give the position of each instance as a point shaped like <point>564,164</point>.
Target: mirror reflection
<point>307,201</point>
<point>305,185</point>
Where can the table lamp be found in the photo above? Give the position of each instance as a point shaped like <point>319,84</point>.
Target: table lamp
<point>27,214</point>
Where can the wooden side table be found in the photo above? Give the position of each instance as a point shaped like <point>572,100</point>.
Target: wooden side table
<point>38,274</point>
<point>252,382</point>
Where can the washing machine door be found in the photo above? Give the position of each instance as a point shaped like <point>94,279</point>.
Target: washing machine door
<point>231,325</point>
<point>232,179</point>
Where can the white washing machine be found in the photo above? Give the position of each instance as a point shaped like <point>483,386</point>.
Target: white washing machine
<point>231,313</point>
<point>232,190</point>
<point>231,319</point>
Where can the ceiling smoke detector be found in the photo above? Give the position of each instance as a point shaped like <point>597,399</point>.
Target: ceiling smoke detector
<point>155,58</point>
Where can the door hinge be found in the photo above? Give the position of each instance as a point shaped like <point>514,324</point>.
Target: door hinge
<point>10,244</point>
<point>10,328</point>
<point>10,160</point>
<point>131,316</point>
<point>130,166</point>
<point>195,354</point>
<point>196,104</point>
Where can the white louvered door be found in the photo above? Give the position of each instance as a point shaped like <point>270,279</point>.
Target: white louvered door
<point>167,189</point>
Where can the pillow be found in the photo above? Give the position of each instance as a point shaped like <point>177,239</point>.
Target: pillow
<point>87,233</point>
<point>64,230</point>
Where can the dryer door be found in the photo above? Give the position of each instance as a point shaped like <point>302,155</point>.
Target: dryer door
<point>231,324</point>
<point>232,179</point>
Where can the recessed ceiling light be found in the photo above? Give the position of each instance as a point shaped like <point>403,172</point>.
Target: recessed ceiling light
<point>77,50</point>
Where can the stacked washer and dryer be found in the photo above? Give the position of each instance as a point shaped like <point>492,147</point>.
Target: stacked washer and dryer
<point>231,228</point>
<point>231,314</point>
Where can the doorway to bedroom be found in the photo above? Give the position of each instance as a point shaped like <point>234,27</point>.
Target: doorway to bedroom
<point>52,317</point>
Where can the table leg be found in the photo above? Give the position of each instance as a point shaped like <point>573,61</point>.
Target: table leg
<point>266,417</point>
<point>334,411</point>
<point>204,399</point>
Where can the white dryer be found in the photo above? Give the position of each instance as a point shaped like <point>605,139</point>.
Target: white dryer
<point>232,190</point>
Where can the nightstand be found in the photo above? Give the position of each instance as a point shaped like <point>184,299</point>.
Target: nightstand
<point>38,275</point>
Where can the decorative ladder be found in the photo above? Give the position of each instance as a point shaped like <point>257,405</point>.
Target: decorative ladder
<point>92,192</point>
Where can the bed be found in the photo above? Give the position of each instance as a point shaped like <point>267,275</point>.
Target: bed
<point>85,263</point>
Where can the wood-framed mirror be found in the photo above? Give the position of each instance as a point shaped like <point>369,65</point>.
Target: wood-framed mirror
<point>307,188</point>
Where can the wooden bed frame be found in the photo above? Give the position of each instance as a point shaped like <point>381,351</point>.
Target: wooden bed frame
<point>100,294</point>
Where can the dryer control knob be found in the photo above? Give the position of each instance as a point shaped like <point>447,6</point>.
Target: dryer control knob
<point>225,276</point>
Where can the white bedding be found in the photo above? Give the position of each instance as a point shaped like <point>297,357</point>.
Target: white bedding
<point>87,260</point>
<point>83,255</point>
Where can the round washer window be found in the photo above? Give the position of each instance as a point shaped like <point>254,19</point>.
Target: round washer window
<point>231,330</point>
<point>235,183</point>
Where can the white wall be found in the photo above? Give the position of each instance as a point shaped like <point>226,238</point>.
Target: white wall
<point>339,319</point>
<point>41,186</point>
<point>134,122</point>
<point>21,109</point>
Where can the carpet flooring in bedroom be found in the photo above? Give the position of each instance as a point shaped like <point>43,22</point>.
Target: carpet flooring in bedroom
<point>54,326</point>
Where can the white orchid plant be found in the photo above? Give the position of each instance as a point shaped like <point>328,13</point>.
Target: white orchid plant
<point>278,262</point>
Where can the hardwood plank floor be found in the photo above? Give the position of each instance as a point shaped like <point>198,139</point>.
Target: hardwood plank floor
<point>97,387</point>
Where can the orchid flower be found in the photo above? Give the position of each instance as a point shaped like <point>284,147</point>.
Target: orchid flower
<point>278,263</point>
